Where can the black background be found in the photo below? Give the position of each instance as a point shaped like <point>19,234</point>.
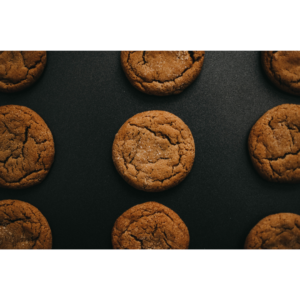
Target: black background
<point>84,97</point>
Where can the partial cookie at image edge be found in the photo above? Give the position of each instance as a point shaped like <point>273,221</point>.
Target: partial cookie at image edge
<point>291,86</point>
<point>22,71</point>
<point>27,147</point>
<point>278,231</point>
<point>150,225</point>
<point>23,226</point>
<point>274,144</point>
<point>157,87</point>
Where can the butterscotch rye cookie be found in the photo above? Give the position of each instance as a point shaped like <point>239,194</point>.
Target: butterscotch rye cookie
<point>162,73</point>
<point>20,69</point>
<point>26,147</point>
<point>279,231</point>
<point>22,226</point>
<point>150,226</point>
<point>154,151</point>
<point>274,144</point>
<point>283,69</point>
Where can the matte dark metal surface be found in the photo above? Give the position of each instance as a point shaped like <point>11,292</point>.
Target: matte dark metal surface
<point>84,97</point>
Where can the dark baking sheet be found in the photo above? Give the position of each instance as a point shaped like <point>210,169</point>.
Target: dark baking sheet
<point>84,97</point>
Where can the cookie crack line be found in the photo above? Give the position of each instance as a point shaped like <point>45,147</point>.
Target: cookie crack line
<point>165,238</point>
<point>6,204</point>
<point>282,157</point>
<point>283,230</point>
<point>147,216</point>
<point>24,177</point>
<point>144,59</point>
<point>163,137</point>
<point>26,220</point>
<point>138,240</point>
<point>158,81</point>
<point>155,133</point>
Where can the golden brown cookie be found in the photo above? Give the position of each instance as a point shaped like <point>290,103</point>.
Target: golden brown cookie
<point>22,226</point>
<point>26,147</point>
<point>150,226</point>
<point>274,144</point>
<point>20,69</point>
<point>154,151</point>
<point>279,231</point>
<point>283,69</point>
<point>162,73</point>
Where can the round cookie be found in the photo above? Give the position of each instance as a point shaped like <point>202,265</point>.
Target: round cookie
<point>162,73</point>
<point>20,69</point>
<point>274,144</point>
<point>279,231</point>
<point>22,226</point>
<point>150,226</point>
<point>26,147</point>
<point>283,69</point>
<point>154,151</point>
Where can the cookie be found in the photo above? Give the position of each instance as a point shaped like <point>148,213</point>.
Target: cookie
<point>279,231</point>
<point>22,226</point>
<point>20,69</point>
<point>274,144</point>
<point>162,73</point>
<point>150,226</point>
<point>154,151</point>
<point>26,147</point>
<point>283,69</point>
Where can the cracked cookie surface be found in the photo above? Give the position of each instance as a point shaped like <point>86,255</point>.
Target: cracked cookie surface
<point>279,231</point>
<point>150,226</point>
<point>20,69</point>
<point>283,69</point>
<point>274,144</point>
<point>26,147</point>
<point>154,151</point>
<point>162,73</point>
<point>22,226</point>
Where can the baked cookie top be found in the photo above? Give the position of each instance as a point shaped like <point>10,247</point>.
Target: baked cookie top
<point>150,226</point>
<point>26,147</point>
<point>22,226</point>
<point>162,73</point>
<point>154,151</point>
<point>274,144</point>
<point>20,69</point>
<point>279,231</point>
<point>283,69</point>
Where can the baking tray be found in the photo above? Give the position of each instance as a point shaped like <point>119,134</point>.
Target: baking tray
<point>84,97</point>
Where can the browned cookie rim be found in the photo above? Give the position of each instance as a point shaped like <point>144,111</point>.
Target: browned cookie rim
<point>33,74</point>
<point>50,150</point>
<point>146,210</point>
<point>255,240</point>
<point>188,76</point>
<point>266,60</point>
<point>44,238</point>
<point>119,159</point>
